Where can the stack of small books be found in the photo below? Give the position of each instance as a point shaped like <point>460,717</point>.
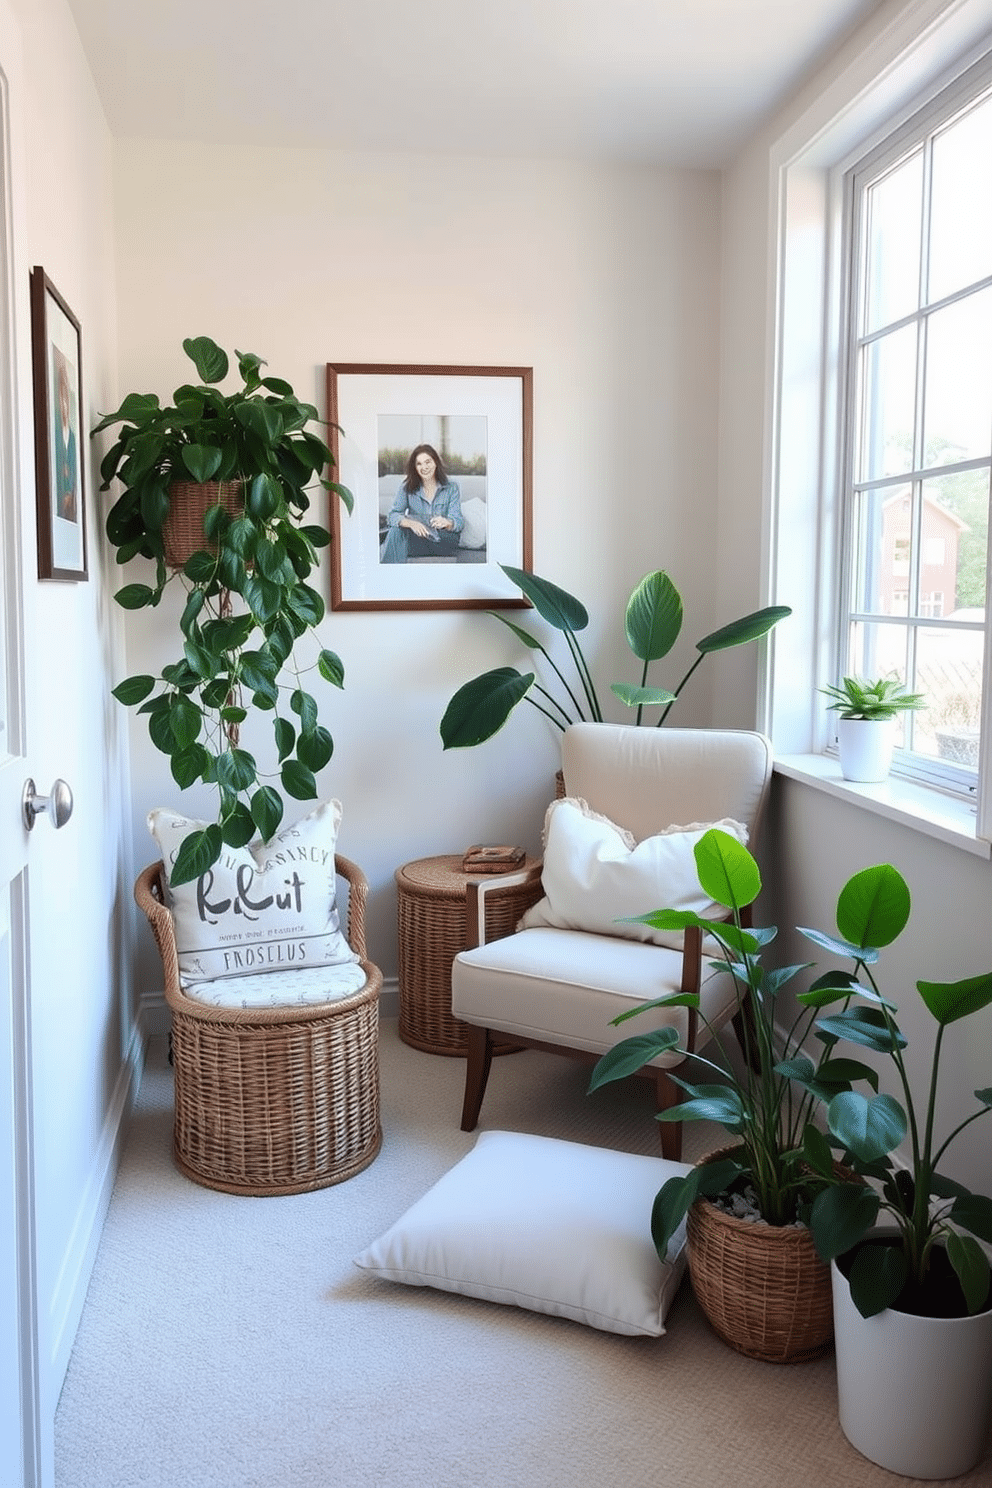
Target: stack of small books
<point>492,858</point>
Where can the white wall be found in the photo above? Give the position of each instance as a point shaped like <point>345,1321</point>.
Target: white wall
<point>84,1042</point>
<point>820,842</point>
<point>604,280</point>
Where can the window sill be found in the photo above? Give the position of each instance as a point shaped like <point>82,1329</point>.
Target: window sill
<point>917,806</point>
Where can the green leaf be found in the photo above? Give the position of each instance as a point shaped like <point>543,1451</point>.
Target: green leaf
<point>637,697</point>
<point>264,497</point>
<point>630,1055</point>
<point>331,668</point>
<point>315,749</point>
<point>653,620</point>
<point>949,1001</point>
<point>839,947</point>
<point>671,1205</point>
<point>197,852</point>
<point>201,460</point>
<point>306,708</point>
<point>727,872</point>
<point>266,810</point>
<point>878,1275</point>
<point>748,628</point>
<point>185,720</point>
<point>873,907</point>
<point>239,827</point>
<point>135,596</point>
<point>973,1212</point>
<point>844,1072</point>
<point>863,1025</point>
<point>817,1151</point>
<point>200,567</point>
<point>235,770</point>
<point>841,1216</point>
<point>261,418</point>
<point>833,986</point>
<point>719,1103</point>
<point>211,363</point>
<point>556,606</point>
<point>869,1126</point>
<point>298,781</point>
<point>971,1265</point>
<point>480,708</point>
<point>285,737</point>
<point>531,642</point>
<point>133,690</point>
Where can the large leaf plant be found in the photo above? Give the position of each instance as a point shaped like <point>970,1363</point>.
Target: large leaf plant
<point>652,624</point>
<point>247,601</point>
<point>813,1147</point>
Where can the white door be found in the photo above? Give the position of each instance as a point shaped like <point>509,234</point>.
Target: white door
<point>19,1409</point>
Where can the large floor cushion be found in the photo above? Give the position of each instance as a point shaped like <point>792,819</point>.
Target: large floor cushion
<point>542,1224</point>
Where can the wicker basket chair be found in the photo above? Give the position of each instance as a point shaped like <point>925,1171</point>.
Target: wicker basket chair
<point>275,1100</point>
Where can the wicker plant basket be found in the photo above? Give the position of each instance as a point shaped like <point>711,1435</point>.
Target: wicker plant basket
<point>182,532</point>
<point>763,1288</point>
<point>274,1100</point>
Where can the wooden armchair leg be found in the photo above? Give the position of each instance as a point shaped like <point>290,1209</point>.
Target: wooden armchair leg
<point>478,1062</point>
<point>669,1095</point>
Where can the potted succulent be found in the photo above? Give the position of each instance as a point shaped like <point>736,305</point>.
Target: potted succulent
<point>652,623</point>
<point>912,1297</point>
<point>774,1304</point>
<point>246,459</point>
<point>866,725</point>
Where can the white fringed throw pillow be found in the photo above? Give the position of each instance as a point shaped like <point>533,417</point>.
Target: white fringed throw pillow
<point>595,875</point>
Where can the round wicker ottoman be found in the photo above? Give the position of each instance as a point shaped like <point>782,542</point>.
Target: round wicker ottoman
<point>431,911</point>
<point>275,1100</point>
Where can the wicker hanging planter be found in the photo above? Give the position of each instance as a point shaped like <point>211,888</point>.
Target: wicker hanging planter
<point>763,1288</point>
<point>189,501</point>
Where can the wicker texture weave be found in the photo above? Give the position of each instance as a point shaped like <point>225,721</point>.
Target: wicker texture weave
<point>763,1288</point>
<point>189,502</point>
<point>274,1100</point>
<point>431,912</point>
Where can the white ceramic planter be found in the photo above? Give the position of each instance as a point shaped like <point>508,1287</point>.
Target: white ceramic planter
<point>914,1394</point>
<point>866,747</point>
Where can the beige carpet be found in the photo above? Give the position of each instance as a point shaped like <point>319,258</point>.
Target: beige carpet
<point>231,1343</point>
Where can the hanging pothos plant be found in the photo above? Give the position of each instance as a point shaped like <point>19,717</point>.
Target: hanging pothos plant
<point>248,602</point>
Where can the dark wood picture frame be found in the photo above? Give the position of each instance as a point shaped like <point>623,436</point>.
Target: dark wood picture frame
<point>59,437</point>
<point>481,420</point>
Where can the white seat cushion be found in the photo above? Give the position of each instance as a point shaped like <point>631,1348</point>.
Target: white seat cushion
<point>565,986</point>
<point>547,1225</point>
<point>307,988</point>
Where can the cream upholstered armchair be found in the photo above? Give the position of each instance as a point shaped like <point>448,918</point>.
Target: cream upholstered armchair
<point>558,983</point>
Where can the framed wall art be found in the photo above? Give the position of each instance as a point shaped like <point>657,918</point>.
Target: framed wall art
<point>439,462</point>
<point>59,439</point>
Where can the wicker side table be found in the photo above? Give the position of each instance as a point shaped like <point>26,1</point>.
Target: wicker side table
<point>431,911</point>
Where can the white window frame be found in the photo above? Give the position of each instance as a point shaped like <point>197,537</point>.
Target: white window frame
<point>917,49</point>
<point>931,116</point>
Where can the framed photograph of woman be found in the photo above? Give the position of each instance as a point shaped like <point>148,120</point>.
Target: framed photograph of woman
<point>438,460</point>
<point>58,434</point>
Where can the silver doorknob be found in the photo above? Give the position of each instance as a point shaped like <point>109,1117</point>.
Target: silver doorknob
<point>58,804</point>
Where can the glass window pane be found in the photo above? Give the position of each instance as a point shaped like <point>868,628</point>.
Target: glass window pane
<point>877,651</point>
<point>961,203</point>
<point>887,405</point>
<point>955,525</point>
<point>957,416</point>
<point>949,671</point>
<point>882,531</point>
<point>894,208</point>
